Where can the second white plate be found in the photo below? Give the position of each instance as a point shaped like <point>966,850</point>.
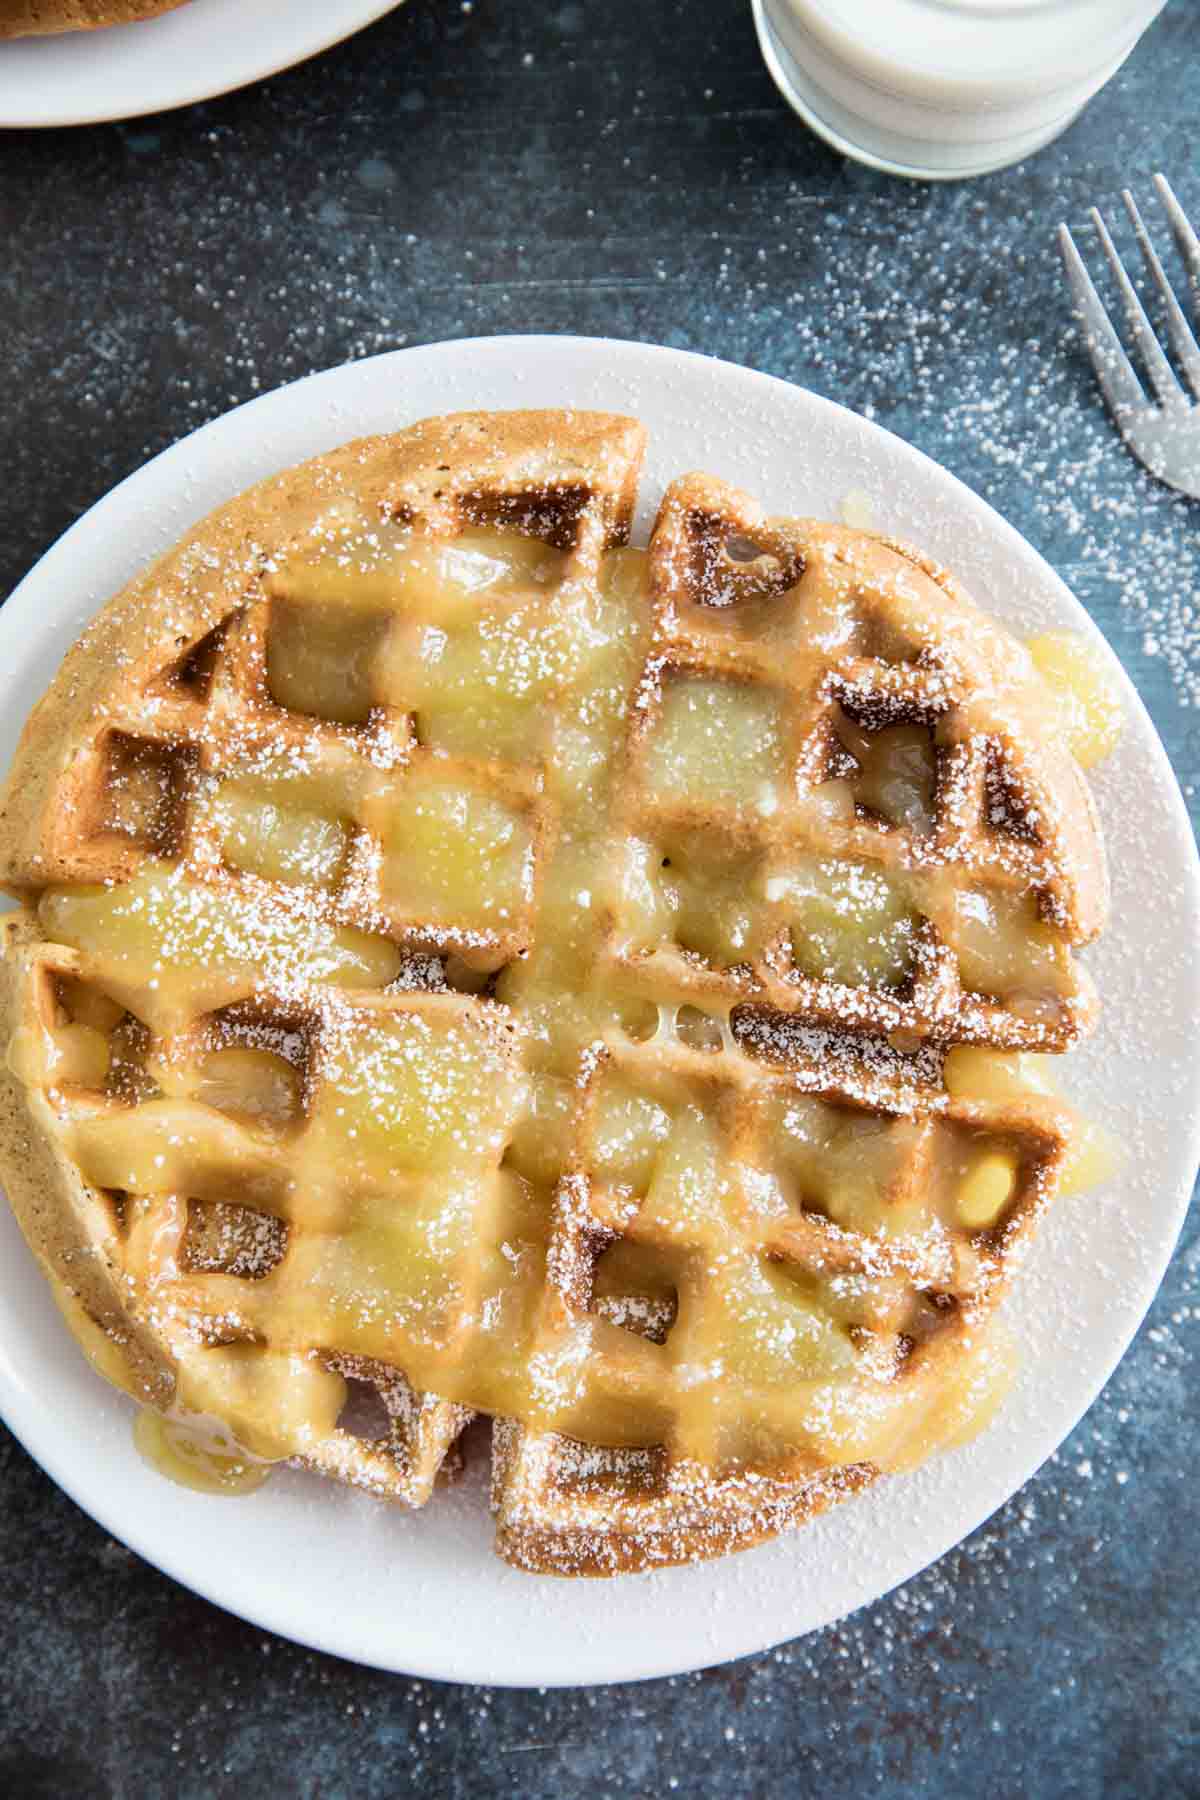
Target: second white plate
<point>203,49</point>
<point>422,1593</point>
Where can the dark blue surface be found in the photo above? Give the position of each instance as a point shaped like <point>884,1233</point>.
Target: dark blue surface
<point>624,169</point>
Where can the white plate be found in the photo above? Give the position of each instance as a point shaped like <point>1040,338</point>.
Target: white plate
<point>205,48</point>
<point>422,1593</point>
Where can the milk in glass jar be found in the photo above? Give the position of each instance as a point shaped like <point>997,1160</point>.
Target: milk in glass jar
<point>944,88</point>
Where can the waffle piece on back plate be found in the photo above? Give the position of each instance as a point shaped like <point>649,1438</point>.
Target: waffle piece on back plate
<point>467,965</point>
<point>46,18</point>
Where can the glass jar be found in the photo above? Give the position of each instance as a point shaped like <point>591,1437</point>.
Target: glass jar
<point>945,88</point>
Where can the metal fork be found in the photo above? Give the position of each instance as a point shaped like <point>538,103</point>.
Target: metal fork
<point>1163,432</point>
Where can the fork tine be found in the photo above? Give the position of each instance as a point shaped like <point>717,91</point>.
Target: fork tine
<point>1162,375</point>
<point>1185,237</point>
<point>1182,341</point>
<point>1114,371</point>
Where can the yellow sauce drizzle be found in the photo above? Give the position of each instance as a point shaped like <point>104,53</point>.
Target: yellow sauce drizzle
<point>410,1241</point>
<point>197,1453</point>
<point>1085,691</point>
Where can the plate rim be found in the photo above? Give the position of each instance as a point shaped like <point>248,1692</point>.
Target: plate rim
<point>275,1614</point>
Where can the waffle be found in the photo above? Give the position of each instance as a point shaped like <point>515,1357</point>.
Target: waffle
<point>466,965</point>
<point>44,18</point>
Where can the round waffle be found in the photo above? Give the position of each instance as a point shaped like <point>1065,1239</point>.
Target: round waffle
<point>467,965</point>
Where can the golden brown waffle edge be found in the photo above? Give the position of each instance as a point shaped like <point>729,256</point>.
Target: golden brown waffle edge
<point>42,18</point>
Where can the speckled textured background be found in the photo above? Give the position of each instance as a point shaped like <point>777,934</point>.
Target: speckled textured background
<point>623,169</point>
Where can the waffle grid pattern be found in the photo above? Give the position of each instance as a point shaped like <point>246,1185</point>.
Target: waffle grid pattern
<point>709,1222</point>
